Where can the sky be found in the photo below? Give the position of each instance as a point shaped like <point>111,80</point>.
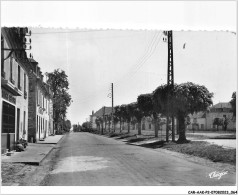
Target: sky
<point>99,43</point>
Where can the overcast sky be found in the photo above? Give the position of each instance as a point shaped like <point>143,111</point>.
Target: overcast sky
<point>135,60</point>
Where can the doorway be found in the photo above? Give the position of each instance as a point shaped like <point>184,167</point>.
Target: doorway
<point>8,127</point>
<point>18,123</point>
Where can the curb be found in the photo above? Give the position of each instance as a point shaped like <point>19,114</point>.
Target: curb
<point>50,151</point>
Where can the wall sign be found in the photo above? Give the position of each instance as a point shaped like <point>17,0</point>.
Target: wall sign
<point>7,96</point>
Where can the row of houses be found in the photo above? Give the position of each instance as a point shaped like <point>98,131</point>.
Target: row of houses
<point>27,106</point>
<point>197,121</point>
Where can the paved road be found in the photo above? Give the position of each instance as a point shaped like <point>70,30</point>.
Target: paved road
<point>85,159</point>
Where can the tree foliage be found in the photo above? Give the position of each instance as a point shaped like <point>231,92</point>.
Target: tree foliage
<point>145,104</point>
<point>67,125</point>
<point>117,114</point>
<point>233,103</point>
<point>137,113</point>
<point>184,99</point>
<point>218,122</point>
<point>125,113</point>
<point>59,85</point>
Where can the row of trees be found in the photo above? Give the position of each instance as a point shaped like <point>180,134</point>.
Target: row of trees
<point>59,85</point>
<point>179,101</point>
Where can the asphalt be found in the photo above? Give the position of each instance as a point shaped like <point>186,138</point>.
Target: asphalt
<point>34,153</point>
<point>84,159</point>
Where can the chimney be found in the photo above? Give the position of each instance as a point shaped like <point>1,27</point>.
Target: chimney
<point>38,71</point>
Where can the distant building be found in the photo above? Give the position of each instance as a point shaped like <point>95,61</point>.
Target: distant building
<point>223,111</point>
<point>103,112</point>
<point>40,106</point>
<point>205,120</point>
<point>14,87</point>
<point>197,121</point>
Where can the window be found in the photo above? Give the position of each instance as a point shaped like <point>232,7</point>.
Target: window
<point>40,99</point>
<point>11,78</point>
<point>24,81</point>
<point>19,78</point>
<point>149,126</point>
<point>45,125</point>
<point>2,56</point>
<point>8,118</point>
<point>24,123</point>
<point>37,125</point>
<point>41,125</point>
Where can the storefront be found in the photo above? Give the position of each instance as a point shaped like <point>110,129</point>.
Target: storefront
<point>8,121</point>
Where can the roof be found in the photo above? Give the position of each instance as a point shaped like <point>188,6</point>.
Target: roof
<point>222,105</point>
<point>198,115</point>
<point>108,111</point>
<point>32,60</point>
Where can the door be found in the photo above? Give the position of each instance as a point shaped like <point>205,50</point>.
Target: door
<point>18,123</point>
<point>8,127</point>
<point>40,127</point>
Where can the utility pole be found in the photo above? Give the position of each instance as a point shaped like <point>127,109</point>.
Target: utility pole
<point>113,127</point>
<point>170,83</point>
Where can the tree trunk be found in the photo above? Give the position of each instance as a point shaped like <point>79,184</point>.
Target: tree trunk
<point>128,127</point>
<point>156,128</point>
<point>114,127</point>
<point>139,128</point>
<point>120,126</point>
<point>182,130</point>
<point>102,128</point>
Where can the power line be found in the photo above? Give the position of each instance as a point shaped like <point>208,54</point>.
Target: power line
<point>149,55</point>
<point>140,59</point>
<point>145,57</point>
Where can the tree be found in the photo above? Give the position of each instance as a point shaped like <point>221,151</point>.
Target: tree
<point>76,128</point>
<point>187,98</point>
<point>59,85</point>
<point>97,121</point>
<point>135,111</point>
<point>125,115</point>
<point>67,125</point>
<point>145,104</point>
<point>233,103</point>
<point>218,122</point>
<point>109,119</point>
<point>117,115</point>
<point>86,126</point>
<point>101,121</point>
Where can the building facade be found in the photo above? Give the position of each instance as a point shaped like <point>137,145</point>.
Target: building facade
<point>14,87</point>
<point>197,121</point>
<point>222,111</point>
<point>205,120</point>
<point>40,106</point>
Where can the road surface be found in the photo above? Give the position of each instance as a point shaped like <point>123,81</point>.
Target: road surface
<point>85,159</point>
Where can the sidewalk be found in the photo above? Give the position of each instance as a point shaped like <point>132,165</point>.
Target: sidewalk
<point>51,139</point>
<point>34,153</point>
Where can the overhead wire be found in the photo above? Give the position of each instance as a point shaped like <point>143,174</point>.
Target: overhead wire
<point>150,50</point>
<point>140,59</point>
<point>148,53</point>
